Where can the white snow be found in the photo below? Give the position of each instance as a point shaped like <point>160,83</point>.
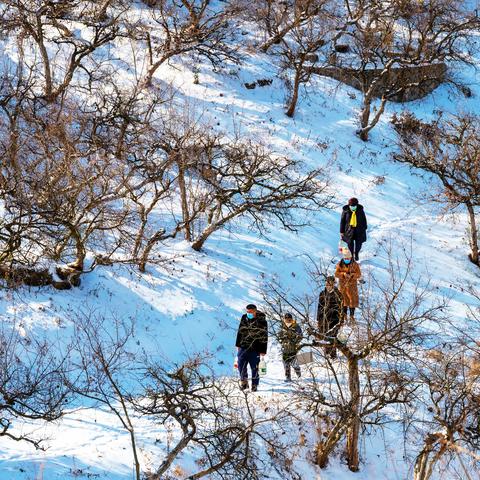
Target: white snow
<point>195,302</point>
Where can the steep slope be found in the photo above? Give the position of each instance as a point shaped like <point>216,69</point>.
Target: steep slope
<point>193,303</point>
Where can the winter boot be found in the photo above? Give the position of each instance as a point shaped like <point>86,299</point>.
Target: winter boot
<point>244,384</point>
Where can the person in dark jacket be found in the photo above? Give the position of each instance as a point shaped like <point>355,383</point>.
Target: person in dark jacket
<point>252,339</point>
<point>329,314</point>
<point>290,337</point>
<point>353,226</point>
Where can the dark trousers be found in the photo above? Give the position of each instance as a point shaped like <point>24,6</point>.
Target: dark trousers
<point>245,358</point>
<point>289,361</point>
<point>332,333</point>
<point>355,246</point>
<point>330,351</point>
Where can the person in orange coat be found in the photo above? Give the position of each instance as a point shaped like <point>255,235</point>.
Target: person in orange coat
<point>348,273</point>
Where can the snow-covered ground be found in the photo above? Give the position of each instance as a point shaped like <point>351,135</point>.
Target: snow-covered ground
<point>91,444</point>
<point>194,303</point>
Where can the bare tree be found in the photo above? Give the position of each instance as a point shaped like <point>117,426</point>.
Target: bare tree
<point>243,179</point>
<point>50,27</point>
<point>449,379</point>
<point>103,369</point>
<point>145,182</point>
<point>76,179</point>
<point>389,331</point>
<point>385,36</point>
<point>214,417</point>
<point>226,429</point>
<point>220,179</point>
<point>449,150</point>
<point>279,19</point>
<point>66,181</point>
<point>32,383</point>
<point>188,144</point>
<point>188,27</point>
<point>300,48</point>
<point>450,374</point>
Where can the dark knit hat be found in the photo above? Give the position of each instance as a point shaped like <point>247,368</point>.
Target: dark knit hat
<point>353,202</point>
<point>288,315</point>
<point>251,306</point>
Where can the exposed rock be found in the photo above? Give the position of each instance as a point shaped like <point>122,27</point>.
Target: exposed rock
<point>31,277</point>
<point>75,280</point>
<point>415,82</point>
<point>62,285</point>
<point>26,276</point>
<point>342,48</point>
<point>263,82</point>
<point>311,57</point>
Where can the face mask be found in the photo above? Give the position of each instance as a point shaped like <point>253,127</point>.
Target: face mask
<point>346,262</point>
<point>250,315</point>
<point>353,208</point>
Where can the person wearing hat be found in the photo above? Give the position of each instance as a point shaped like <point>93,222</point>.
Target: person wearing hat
<point>290,337</point>
<point>329,314</point>
<point>251,343</point>
<point>348,273</point>
<point>353,226</point>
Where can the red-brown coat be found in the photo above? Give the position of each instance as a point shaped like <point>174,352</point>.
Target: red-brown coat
<point>348,276</point>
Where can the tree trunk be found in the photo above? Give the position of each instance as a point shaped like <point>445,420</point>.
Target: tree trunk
<point>142,263</point>
<point>154,66</point>
<point>189,430</point>
<point>136,460</point>
<point>474,254</point>
<point>218,222</point>
<point>45,59</point>
<point>277,38</point>
<point>367,125</point>
<point>102,12</point>
<point>80,249</point>
<point>423,464</point>
<point>294,100</point>
<point>325,448</point>
<point>353,430</point>
<point>422,470</point>
<point>364,118</point>
<point>126,422</point>
<point>226,457</point>
<point>321,455</point>
<point>184,201</point>
<point>12,150</point>
<point>141,232</point>
<point>198,243</point>
<point>368,93</point>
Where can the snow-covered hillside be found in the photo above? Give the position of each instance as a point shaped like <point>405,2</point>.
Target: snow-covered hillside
<point>193,301</point>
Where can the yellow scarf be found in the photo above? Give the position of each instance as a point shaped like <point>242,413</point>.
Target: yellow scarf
<point>353,220</point>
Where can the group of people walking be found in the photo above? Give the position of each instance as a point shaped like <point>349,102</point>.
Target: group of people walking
<point>336,306</point>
